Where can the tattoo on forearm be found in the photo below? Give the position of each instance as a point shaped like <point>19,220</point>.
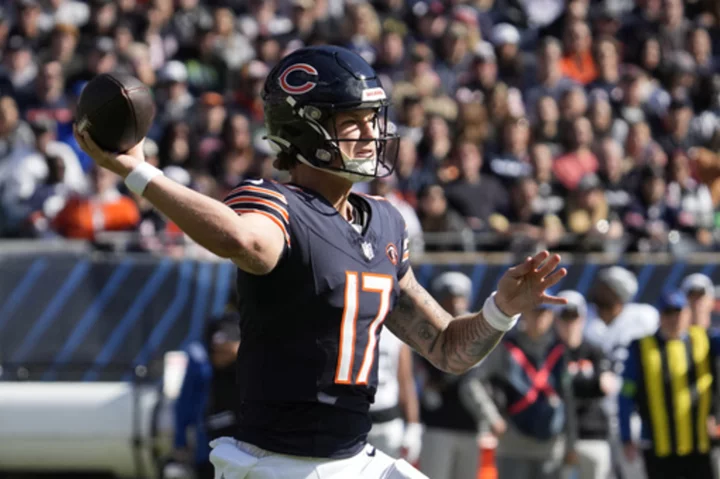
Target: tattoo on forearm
<point>451,344</point>
<point>407,323</point>
<point>468,340</point>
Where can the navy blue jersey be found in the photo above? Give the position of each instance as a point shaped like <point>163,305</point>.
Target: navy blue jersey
<point>307,368</point>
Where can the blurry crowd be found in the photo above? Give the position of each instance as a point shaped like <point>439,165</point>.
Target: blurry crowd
<point>582,125</point>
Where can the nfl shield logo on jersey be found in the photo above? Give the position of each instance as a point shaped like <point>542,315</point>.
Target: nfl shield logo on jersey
<point>368,250</point>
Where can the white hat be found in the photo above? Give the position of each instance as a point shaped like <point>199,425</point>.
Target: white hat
<point>621,281</point>
<point>575,301</point>
<point>452,283</point>
<point>484,51</point>
<point>174,71</point>
<point>178,174</point>
<point>698,281</point>
<point>504,33</point>
<point>150,148</point>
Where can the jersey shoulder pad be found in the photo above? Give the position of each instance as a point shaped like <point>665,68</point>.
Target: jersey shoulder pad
<point>398,230</point>
<point>262,197</point>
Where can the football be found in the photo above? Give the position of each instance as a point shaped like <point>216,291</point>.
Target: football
<point>117,110</point>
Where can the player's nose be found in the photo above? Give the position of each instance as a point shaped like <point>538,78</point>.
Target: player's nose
<point>368,130</point>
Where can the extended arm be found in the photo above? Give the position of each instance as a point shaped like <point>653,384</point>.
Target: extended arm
<point>455,345</point>
<point>253,241</point>
<point>452,345</point>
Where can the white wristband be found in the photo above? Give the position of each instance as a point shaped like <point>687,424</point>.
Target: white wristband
<point>496,318</point>
<point>140,176</point>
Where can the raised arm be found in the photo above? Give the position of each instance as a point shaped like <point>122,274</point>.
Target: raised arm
<point>455,345</point>
<point>253,241</point>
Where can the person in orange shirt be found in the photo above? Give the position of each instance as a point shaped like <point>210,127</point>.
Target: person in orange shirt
<point>578,62</point>
<point>105,209</point>
<point>578,159</point>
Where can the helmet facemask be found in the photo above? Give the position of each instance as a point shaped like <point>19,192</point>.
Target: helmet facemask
<point>331,157</point>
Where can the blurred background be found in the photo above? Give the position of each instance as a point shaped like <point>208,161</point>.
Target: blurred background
<point>590,127</point>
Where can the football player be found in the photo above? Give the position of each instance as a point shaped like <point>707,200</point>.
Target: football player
<point>320,271</point>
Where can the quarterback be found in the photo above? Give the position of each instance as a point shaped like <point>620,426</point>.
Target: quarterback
<point>321,271</point>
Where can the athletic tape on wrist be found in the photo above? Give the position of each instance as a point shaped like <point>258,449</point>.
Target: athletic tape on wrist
<point>496,318</point>
<point>140,177</point>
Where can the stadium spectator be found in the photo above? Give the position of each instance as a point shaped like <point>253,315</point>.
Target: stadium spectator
<point>693,201</point>
<point>613,323</point>
<point>40,181</point>
<point>589,217</point>
<point>649,216</point>
<point>18,66</point>
<point>578,63</point>
<point>206,403</point>
<point>546,128</point>
<point>524,225</point>
<point>103,209</point>
<point>601,118</point>
<point>63,49</point>
<point>474,195</point>
<point>578,159</point>
<point>512,160</point>
<point>15,133</point>
<point>592,379</point>
<point>528,372</point>
<point>436,217</point>
<point>454,409</point>
<point>509,57</point>
<point>550,197</point>
<point>28,26</point>
<point>550,80</point>
<point>607,57</point>
<point>700,293</point>
<point>174,100</point>
<point>671,390</point>
<point>611,172</point>
<point>573,104</point>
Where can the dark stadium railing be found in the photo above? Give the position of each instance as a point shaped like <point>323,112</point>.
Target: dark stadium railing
<point>675,243</point>
<point>70,312</point>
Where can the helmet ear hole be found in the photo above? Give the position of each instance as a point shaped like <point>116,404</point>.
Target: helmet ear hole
<point>323,155</point>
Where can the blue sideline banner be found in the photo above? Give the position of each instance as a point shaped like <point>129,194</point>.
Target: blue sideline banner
<point>67,317</point>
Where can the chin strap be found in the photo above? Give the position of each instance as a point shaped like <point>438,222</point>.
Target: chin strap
<point>362,169</point>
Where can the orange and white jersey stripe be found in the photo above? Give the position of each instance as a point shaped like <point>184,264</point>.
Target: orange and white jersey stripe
<point>261,197</point>
<point>405,247</point>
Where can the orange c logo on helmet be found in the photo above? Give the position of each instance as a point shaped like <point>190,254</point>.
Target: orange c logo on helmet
<point>298,89</point>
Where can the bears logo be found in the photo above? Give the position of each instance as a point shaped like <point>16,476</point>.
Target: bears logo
<point>298,89</point>
<point>392,253</point>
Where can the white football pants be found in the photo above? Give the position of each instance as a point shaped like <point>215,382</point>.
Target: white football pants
<point>239,460</point>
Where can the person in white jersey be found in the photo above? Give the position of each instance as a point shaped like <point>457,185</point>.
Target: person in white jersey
<point>614,321</point>
<point>396,399</point>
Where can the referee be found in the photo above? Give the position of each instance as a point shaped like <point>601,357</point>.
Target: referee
<point>668,378</point>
